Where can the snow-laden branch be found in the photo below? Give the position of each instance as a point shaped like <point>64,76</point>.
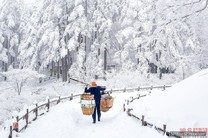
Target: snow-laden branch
<point>185,16</point>
<point>195,2</point>
<point>182,6</point>
<point>186,4</point>
<point>204,6</point>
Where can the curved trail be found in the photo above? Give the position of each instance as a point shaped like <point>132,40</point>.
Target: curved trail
<point>67,121</point>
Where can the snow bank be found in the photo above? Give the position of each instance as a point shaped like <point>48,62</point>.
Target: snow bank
<point>181,106</point>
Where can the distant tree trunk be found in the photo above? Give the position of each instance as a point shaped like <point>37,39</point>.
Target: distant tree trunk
<point>65,61</point>
<point>85,48</point>
<point>69,60</point>
<point>1,65</point>
<point>58,70</point>
<point>4,69</point>
<point>5,66</point>
<point>64,68</point>
<point>139,50</point>
<point>160,76</point>
<point>183,73</point>
<point>6,45</point>
<point>52,69</point>
<point>105,59</point>
<point>98,51</point>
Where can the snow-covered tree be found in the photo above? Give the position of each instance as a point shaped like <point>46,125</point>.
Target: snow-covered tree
<point>153,32</point>
<point>10,18</point>
<point>77,32</point>
<point>28,50</point>
<point>103,25</point>
<point>20,77</point>
<point>173,39</point>
<point>57,29</point>
<point>151,37</point>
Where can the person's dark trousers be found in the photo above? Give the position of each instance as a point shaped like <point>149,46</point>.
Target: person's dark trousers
<point>97,108</point>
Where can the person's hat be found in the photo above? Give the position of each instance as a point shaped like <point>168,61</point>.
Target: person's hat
<point>94,83</point>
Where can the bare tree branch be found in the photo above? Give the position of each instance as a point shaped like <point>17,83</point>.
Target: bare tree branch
<point>195,2</point>
<point>180,6</point>
<point>205,6</point>
<point>185,16</point>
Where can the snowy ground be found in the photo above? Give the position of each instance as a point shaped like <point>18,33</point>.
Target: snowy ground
<point>11,102</point>
<point>66,120</point>
<point>183,106</point>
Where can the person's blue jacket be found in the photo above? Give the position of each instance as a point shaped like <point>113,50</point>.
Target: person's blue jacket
<point>96,91</point>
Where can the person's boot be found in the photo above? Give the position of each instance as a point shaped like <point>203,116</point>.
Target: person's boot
<point>98,119</point>
<point>94,122</point>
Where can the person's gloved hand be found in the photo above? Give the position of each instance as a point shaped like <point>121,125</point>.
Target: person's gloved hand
<point>103,93</point>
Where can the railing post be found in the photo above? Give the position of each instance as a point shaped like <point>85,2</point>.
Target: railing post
<point>142,120</point>
<point>10,133</point>
<point>27,117</point>
<point>59,99</point>
<point>71,98</point>
<point>164,87</point>
<point>124,90</point>
<point>16,124</point>
<point>48,105</point>
<point>164,129</point>
<point>36,111</point>
<point>128,112</point>
<point>138,88</point>
<point>124,109</point>
<point>111,91</point>
<point>138,96</point>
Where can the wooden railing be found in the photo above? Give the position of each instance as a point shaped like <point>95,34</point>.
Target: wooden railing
<point>31,114</point>
<point>142,118</point>
<point>139,88</point>
<point>25,117</point>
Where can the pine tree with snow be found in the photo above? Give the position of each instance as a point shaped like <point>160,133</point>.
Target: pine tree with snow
<point>10,18</point>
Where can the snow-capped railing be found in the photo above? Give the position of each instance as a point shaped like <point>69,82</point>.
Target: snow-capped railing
<point>31,114</point>
<point>142,118</point>
<point>139,88</point>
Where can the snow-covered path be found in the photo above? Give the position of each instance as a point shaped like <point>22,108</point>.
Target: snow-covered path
<point>182,107</point>
<point>67,121</point>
